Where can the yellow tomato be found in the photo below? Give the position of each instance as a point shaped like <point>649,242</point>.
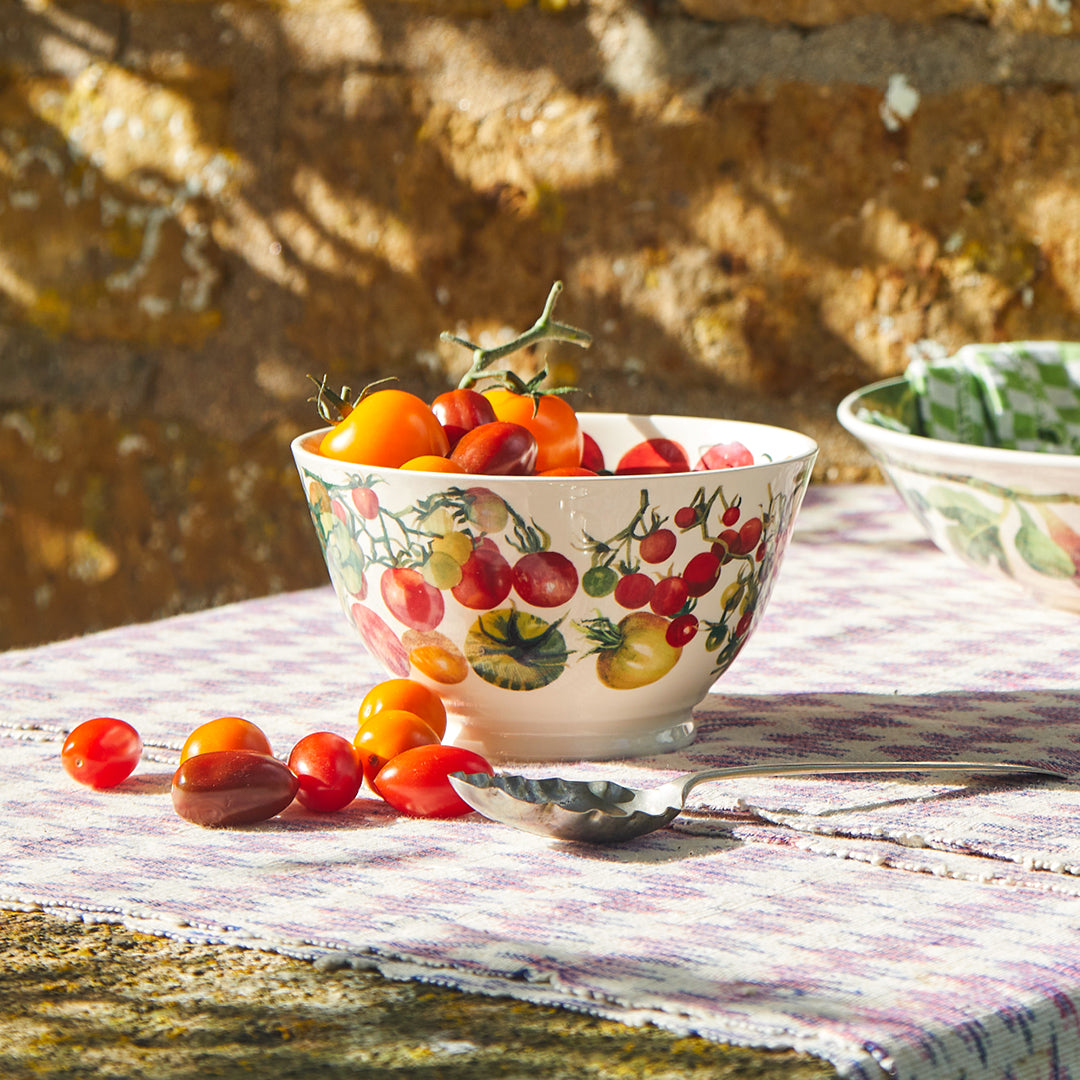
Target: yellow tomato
<point>385,429</point>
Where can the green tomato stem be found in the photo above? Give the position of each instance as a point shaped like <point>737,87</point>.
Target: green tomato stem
<point>544,329</point>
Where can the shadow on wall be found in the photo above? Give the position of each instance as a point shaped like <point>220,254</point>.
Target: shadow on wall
<point>203,203</point>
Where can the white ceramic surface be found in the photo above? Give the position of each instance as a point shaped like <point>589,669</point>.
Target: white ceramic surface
<point>1013,514</point>
<point>512,596</point>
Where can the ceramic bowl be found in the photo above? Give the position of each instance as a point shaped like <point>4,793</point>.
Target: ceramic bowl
<point>563,618</point>
<point>1012,514</point>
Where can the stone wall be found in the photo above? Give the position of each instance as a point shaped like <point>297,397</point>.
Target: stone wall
<point>755,206</point>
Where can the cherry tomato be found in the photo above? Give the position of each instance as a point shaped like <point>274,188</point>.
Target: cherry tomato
<point>702,573</point>
<point>381,641</point>
<point>682,630</point>
<point>657,545</point>
<point>366,502</point>
<point>386,428</point>
<point>385,735</point>
<point>415,782</point>
<point>486,578</point>
<point>669,596</point>
<point>634,590</point>
<point>686,517</point>
<point>568,470</point>
<point>545,579</point>
<point>461,410</point>
<point>225,733</point>
<point>432,463</point>
<point>724,456</point>
<point>500,448</point>
<point>653,456</point>
<point>550,418</point>
<point>731,514</point>
<point>232,787</point>
<point>409,696</point>
<point>599,581</point>
<point>642,655</point>
<point>410,599</point>
<point>486,510</point>
<point>101,752</point>
<point>327,767</point>
<point>592,457</point>
<point>436,656</point>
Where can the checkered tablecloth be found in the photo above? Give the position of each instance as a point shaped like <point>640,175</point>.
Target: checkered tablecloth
<point>895,927</point>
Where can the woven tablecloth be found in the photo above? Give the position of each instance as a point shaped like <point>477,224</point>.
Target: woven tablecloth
<point>894,927</point>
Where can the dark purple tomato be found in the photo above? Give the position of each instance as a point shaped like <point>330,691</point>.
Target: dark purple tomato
<point>545,579</point>
<point>462,410</point>
<point>500,448</point>
<point>232,787</point>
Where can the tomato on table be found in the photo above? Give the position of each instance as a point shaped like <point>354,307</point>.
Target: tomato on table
<point>328,771</point>
<point>385,735</point>
<point>101,752</point>
<point>225,733</point>
<point>415,782</point>
<point>552,421</point>
<point>385,429</point>
<point>232,787</point>
<point>407,695</point>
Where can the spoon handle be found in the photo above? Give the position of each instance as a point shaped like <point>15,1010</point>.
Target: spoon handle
<point>824,768</point>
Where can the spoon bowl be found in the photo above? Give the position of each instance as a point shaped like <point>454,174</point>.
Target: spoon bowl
<point>603,812</point>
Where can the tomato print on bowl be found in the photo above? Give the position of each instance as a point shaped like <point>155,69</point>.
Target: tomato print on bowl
<point>565,616</point>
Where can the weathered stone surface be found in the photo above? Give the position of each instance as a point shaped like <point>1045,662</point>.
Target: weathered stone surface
<point>202,202</point>
<point>79,1000</point>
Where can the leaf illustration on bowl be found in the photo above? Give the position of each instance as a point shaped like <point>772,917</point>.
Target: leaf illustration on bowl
<point>975,531</point>
<point>1043,554</point>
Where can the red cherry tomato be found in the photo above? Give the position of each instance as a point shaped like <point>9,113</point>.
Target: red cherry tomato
<point>657,545</point>
<point>408,696</point>
<point>634,590</point>
<point>702,573</point>
<point>724,456</point>
<point>410,599</point>
<point>101,752</point>
<point>669,596</point>
<point>232,787</point>
<point>225,733</point>
<point>682,630</point>
<point>497,449</point>
<point>654,456</point>
<point>327,768</point>
<point>461,410</point>
<point>416,783</point>
<point>486,578</point>
<point>568,470</point>
<point>385,735</point>
<point>545,579</point>
<point>386,428</point>
<point>592,457</point>
<point>550,418</point>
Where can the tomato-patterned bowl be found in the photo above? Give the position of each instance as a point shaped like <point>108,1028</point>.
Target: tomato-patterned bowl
<point>563,618</point>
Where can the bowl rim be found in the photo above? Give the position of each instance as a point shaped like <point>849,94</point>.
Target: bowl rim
<point>874,436</point>
<point>808,453</point>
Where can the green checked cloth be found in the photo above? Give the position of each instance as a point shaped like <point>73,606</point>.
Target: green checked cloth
<point>1018,395</point>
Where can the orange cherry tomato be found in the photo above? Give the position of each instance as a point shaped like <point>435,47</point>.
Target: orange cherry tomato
<point>432,463</point>
<point>225,733</point>
<point>408,695</point>
<point>385,429</point>
<point>553,423</point>
<point>387,734</point>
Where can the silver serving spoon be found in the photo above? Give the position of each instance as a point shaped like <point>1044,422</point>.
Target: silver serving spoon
<point>602,812</point>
